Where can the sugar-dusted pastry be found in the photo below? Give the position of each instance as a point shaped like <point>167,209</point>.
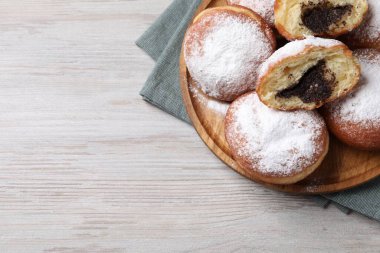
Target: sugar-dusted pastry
<point>356,119</point>
<point>305,74</point>
<point>278,147</point>
<point>265,8</point>
<point>295,19</point>
<point>224,49</point>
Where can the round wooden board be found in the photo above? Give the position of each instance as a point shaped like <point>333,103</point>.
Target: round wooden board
<point>343,168</point>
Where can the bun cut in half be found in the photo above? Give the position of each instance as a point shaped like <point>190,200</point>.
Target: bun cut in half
<point>295,19</point>
<point>306,74</point>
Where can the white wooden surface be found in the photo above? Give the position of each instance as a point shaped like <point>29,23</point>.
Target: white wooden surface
<point>87,166</point>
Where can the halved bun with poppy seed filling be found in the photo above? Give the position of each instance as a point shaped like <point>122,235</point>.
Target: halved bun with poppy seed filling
<point>306,74</point>
<point>295,19</point>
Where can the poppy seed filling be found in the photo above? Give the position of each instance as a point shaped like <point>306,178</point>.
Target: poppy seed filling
<point>315,86</point>
<point>319,17</point>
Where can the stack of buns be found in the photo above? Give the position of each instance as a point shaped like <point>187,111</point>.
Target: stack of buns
<point>285,101</point>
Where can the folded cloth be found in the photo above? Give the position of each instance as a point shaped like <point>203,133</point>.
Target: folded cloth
<point>163,40</point>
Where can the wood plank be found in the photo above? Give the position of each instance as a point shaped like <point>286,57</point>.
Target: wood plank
<point>87,166</point>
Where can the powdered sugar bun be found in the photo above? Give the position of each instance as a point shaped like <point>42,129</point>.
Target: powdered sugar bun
<point>265,8</point>
<point>367,35</point>
<point>224,48</point>
<point>305,74</point>
<point>356,119</point>
<point>279,147</point>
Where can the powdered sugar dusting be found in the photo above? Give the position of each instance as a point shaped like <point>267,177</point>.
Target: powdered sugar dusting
<point>370,28</point>
<point>225,58</point>
<point>264,8</point>
<point>214,105</point>
<point>218,106</point>
<point>294,48</point>
<point>363,106</point>
<point>279,143</point>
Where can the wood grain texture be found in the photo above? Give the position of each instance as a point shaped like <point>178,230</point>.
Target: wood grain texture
<point>343,168</point>
<point>87,166</point>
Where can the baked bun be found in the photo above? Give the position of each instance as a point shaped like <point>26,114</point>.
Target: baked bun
<point>224,48</point>
<point>356,119</point>
<point>306,74</point>
<point>367,35</point>
<point>265,8</point>
<point>295,19</point>
<point>278,147</point>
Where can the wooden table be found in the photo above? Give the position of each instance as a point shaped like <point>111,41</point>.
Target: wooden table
<point>87,166</point>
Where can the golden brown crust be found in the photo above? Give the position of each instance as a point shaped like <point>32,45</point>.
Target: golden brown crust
<point>322,144</point>
<point>235,11</point>
<point>289,36</point>
<point>263,78</point>
<point>358,136</point>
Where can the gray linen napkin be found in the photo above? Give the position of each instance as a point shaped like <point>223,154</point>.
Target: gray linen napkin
<point>162,41</point>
